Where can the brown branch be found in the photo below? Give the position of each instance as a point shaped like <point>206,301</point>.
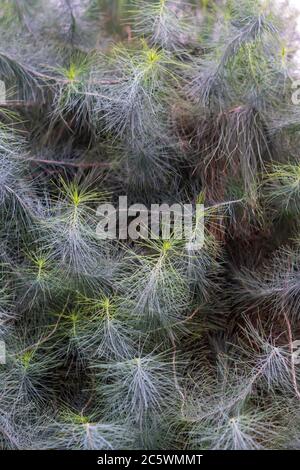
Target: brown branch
<point>71,164</point>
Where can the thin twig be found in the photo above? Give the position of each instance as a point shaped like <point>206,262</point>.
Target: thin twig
<point>293,369</point>
<point>72,164</point>
<point>20,104</point>
<point>176,383</point>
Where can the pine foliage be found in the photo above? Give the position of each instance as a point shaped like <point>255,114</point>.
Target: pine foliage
<point>145,344</point>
